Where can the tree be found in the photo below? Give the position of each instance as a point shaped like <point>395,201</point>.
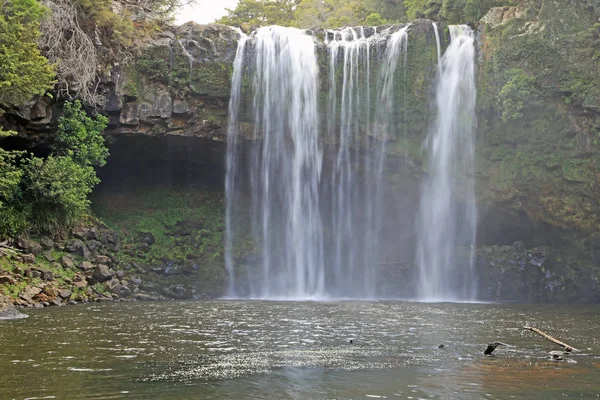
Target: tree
<point>55,192</point>
<point>260,13</point>
<point>80,137</point>
<point>24,72</point>
<point>48,195</point>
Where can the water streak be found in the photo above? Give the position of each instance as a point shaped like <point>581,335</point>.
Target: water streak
<point>448,215</point>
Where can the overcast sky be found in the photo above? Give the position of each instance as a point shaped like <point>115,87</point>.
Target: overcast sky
<point>204,11</point>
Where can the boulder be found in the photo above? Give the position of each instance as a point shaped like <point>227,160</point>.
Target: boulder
<point>28,258</point>
<point>106,260</point>
<point>7,309</point>
<point>46,243</point>
<point>47,275</point>
<point>86,266</point>
<point>33,273</point>
<point>102,273</point>
<point>67,262</point>
<point>7,280</point>
<point>136,280</point>
<point>121,290</point>
<point>29,292</point>
<point>64,293</point>
<point>76,246</point>
<point>80,284</point>
<point>29,246</point>
<point>93,245</point>
<point>111,284</point>
<point>49,257</point>
<point>85,233</point>
<point>50,291</point>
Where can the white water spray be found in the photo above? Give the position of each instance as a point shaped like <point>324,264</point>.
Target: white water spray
<point>448,215</point>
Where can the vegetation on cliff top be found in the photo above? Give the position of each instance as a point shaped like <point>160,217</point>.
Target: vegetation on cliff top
<point>338,13</point>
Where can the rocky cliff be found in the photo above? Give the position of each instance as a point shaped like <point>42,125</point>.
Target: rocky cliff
<point>538,145</point>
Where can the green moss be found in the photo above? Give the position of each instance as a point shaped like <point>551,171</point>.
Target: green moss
<point>155,62</point>
<point>188,227</point>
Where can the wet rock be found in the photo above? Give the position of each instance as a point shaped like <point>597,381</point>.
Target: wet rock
<point>144,297</point>
<point>8,311</point>
<point>56,302</point>
<point>102,273</point>
<point>67,262</point>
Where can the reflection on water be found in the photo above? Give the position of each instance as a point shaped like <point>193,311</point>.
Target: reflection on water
<point>297,350</point>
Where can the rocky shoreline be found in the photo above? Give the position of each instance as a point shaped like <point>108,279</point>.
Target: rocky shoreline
<point>88,267</point>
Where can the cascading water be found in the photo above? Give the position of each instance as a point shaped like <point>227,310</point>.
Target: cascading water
<point>284,167</point>
<point>306,227</point>
<point>448,215</point>
<point>355,257</point>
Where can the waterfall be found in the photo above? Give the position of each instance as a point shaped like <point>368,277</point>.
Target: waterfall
<point>284,166</point>
<point>315,223</point>
<point>448,215</point>
<point>233,158</point>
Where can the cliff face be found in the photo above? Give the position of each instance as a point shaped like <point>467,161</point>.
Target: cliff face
<point>179,84</point>
<point>539,127</point>
<point>538,145</point>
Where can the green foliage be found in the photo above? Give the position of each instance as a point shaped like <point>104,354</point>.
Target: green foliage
<point>423,8</point>
<point>55,192</point>
<point>260,13</point>
<point>24,72</point>
<point>375,20</point>
<point>517,94</point>
<point>79,136</point>
<point>313,13</point>
<point>48,195</point>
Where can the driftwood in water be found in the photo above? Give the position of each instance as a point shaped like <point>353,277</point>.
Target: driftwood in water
<point>492,346</point>
<point>565,346</point>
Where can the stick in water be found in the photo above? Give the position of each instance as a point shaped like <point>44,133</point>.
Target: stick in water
<point>565,346</point>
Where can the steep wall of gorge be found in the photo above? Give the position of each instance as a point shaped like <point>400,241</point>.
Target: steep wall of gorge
<point>538,127</point>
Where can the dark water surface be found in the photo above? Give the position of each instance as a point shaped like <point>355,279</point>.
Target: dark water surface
<point>298,350</point>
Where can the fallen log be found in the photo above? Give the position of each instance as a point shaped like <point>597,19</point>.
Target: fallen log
<point>565,346</point>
